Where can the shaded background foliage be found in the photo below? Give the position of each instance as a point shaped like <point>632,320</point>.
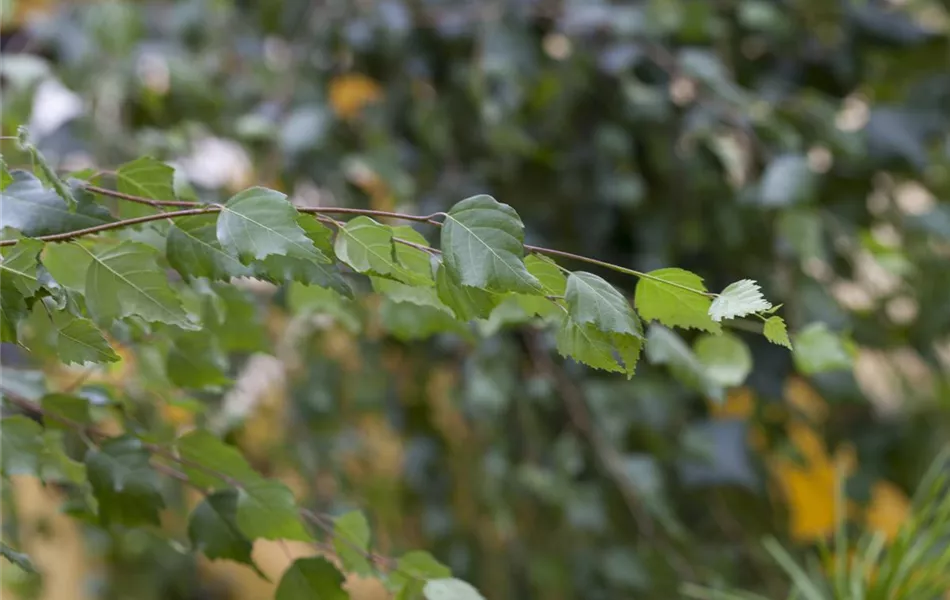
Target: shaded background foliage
<point>800,143</point>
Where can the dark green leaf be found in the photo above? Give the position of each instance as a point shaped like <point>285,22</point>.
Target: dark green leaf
<point>483,247</point>
<point>587,344</point>
<point>210,463</point>
<point>71,407</point>
<point>34,210</point>
<point>351,537</point>
<point>258,223</point>
<point>125,280</point>
<point>311,579</point>
<point>193,250</point>
<point>466,302</point>
<point>213,529</point>
<point>125,485</point>
<point>593,301</point>
<point>68,263</point>
<point>22,444</point>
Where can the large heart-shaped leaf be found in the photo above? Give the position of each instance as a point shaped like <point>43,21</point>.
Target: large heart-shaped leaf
<point>260,222</point>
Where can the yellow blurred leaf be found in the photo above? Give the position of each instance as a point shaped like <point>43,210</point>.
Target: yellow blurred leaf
<point>889,509</point>
<point>739,404</point>
<point>806,400</point>
<point>350,93</point>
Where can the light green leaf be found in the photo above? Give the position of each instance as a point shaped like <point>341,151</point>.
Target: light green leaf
<point>726,358</point>
<point>450,589</point>
<point>483,247</point>
<point>124,280</point>
<point>672,303</point>
<point>351,537</point>
<point>18,266</point>
<point>587,344</point>
<point>196,361</point>
<point>148,178</point>
<point>193,250</point>
<point>417,565</point>
<point>402,292</point>
<point>258,223</point>
<point>211,463</point>
<point>56,465</point>
<point>416,264</point>
<point>820,350</point>
<point>664,347</point>
<point>776,332</point>
<point>79,341</point>
<point>318,300</point>
<point>213,529</point>
<point>738,299</point>
<point>35,210</point>
<point>68,264</point>
<point>125,485</point>
<point>548,272</point>
<point>266,509</point>
<point>21,442</point>
<point>466,302</point>
<point>5,177</point>
<point>367,247</point>
<point>591,300</point>
<point>311,579</point>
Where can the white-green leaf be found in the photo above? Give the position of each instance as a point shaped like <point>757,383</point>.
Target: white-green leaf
<point>738,299</point>
<point>125,280</point>
<point>664,347</point>
<point>820,350</point>
<point>193,250</point>
<point>483,247</point>
<point>776,332</point>
<point>351,537</point>
<point>148,178</point>
<point>675,298</point>
<point>726,358</point>
<point>260,222</point>
<point>450,589</point>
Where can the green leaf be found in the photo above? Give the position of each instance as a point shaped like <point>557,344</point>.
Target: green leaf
<point>415,566</point>
<point>367,247</point>
<point>21,442</point>
<point>213,529</point>
<point>820,350</point>
<point>68,263</point>
<point>726,358</point>
<point>416,264</point>
<point>18,267</point>
<point>587,344</point>
<point>13,309</point>
<point>79,341</point>
<point>196,361</point>
<point>311,579</point>
<point>5,177</point>
<point>593,301</point>
<point>282,269</point>
<point>351,537</point>
<point>402,292</point>
<point>548,273</point>
<point>483,247</point>
<point>238,326</point>
<point>672,303</point>
<point>466,302</point>
<point>56,465</point>
<point>125,485</point>
<point>408,322</point>
<point>35,210</point>
<point>266,509</point>
<point>71,407</point>
<point>776,332</point>
<point>125,280</point>
<point>313,300</point>
<point>193,250</point>
<point>211,463</point>
<point>738,299</point>
<point>666,348</point>
<point>148,178</point>
<point>258,223</point>
<point>450,589</point>
<point>17,558</point>
<point>40,164</point>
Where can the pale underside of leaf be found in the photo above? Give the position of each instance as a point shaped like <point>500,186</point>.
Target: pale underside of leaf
<point>738,300</point>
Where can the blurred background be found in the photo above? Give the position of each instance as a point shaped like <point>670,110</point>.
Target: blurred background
<point>801,143</point>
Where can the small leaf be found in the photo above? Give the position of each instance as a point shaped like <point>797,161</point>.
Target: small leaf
<point>18,266</point>
<point>820,350</point>
<point>213,529</point>
<point>738,299</point>
<point>672,303</point>
<point>450,589</point>
<point>258,223</point>
<point>776,332</point>
<point>148,178</point>
<point>466,302</point>
<point>34,210</point>
<point>21,442</point>
<point>125,485</point>
<point>591,300</point>
<point>726,358</point>
<point>211,463</point>
<point>483,247</point>
<point>266,509</point>
<point>367,247</point>
<point>587,344</point>
<point>124,280</point>
<point>351,537</point>
<point>193,250</point>
<point>311,579</point>
<point>17,558</point>
<point>666,348</point>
